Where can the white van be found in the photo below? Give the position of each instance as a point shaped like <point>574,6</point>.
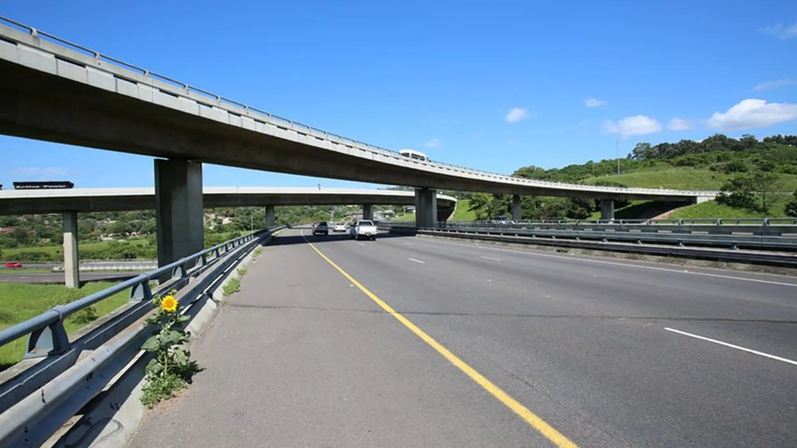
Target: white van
<point>413,154</point>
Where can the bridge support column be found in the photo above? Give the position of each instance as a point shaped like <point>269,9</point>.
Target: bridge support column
<point>607,209</point>
<point>517,212</point>
<point>178,210</point>
<point>425,207</point>
<point>368,211</point>
<point>71,258</point>
<point>271,221</point>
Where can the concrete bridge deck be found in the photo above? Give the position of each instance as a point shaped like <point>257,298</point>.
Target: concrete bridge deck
<point>584,351</point>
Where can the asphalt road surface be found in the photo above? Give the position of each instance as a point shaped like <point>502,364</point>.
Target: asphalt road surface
<point>58,277</point>
<point>432,343</point>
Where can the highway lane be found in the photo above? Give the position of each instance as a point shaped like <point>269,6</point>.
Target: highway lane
<point>580,342</point>
<point>97,264</point>
<point>584,342</point>
<point>58,277</point>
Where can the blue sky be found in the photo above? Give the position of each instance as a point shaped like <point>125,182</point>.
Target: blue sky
<point>494,86</point>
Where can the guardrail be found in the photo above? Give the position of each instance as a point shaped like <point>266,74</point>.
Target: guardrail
<point>133,74</point>
<point>39,399</point>
<point>785,227</point>
<point>626,238</point>
<point>110,266</point>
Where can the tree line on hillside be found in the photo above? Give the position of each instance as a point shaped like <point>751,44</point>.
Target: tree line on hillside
<point>755,166</point>
<point>223,223</point>
<point>717,153</point>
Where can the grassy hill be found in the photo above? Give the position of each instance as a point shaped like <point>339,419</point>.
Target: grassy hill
<point>460,214</point>
<point>682,178</point>
<point>708,164</point>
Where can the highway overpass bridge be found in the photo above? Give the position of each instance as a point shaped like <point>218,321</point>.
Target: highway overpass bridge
<point>57,91</point>
<point>70,202</point>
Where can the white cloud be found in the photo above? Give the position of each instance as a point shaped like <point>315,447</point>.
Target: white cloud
<point>774,84</point>
<point>753,113</point>
<point>780,31</point>
<point>679,124</point>
<point>434,143</point>
<point>517,114</point>
<point>594,102</point>
<point>636,125</point>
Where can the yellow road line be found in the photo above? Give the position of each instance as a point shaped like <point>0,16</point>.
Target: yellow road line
<point>523,412</point>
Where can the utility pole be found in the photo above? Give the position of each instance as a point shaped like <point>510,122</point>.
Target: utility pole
<point>617,150</point>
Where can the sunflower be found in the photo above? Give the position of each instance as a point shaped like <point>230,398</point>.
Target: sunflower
<point>169,304</point>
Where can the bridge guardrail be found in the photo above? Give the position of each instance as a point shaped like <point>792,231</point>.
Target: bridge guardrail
<point>72,383</point>
<point>132,73</point>
<point>784,227</point>
<point>769,238</point>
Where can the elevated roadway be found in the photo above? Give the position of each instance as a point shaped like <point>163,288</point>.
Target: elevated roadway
<point>516,348</point>
<point>20,202</point>
<point>70,202</point>
<point>57,91</point>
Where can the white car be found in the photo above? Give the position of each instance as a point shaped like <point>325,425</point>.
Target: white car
<point>363,229</point>
<point>339,227</point>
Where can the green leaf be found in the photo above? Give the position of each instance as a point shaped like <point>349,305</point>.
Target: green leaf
<point>182,318</point>
<point>152,344</point>
<point>154,367</point>
<point>173,337</point>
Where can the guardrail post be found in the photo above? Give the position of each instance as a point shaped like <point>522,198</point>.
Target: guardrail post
<point>50,340</point>
<point>201,261</point>
<point>141,291</point>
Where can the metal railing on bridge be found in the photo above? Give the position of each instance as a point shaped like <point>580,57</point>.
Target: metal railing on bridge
<point>130,73</point>
<point>73,381</point>
<point>733,235</point>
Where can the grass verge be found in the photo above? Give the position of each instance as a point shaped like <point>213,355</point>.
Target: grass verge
<point>232,286</point>
<point>19,302</point>
<point>712,209</point>
<point>684,178</point>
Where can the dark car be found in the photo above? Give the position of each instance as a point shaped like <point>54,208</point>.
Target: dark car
<point>321,228</point>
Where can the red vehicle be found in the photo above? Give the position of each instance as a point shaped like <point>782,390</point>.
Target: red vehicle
<point>13,264</point>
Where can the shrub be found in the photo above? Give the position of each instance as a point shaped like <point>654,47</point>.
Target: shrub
<point>84,316</point>
<point>232,286</point>
<point>171,368</point>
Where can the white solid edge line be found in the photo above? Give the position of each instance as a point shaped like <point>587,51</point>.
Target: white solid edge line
<point>417,261</point>
<point>755,352</point>
<point>489,258</point>
<point>652,268</point>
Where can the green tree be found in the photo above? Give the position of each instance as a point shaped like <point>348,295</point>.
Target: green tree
<point>644,151</point>
<point>486,205</point>
<point>738,192</point>
<point>791,206</point>
<point>752,191</point>
<point>119,227</point>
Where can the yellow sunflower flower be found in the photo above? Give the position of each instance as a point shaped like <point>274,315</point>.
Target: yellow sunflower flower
<point>169,304</point>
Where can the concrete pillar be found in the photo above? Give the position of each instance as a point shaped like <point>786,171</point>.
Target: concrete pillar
<point>517,212</point>
<point>271,221</point>
<point>425,207</point>
<point>178,209</point>
<point>607,209</point>
<point>71,259</point>
<point>368,211</point>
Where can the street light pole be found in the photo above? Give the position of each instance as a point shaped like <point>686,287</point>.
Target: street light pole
<point>617,150</point>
